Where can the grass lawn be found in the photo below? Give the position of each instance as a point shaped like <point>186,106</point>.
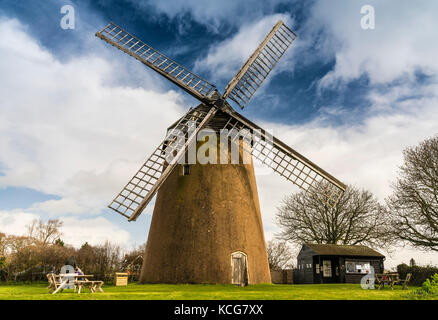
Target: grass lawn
<point>208,292</point>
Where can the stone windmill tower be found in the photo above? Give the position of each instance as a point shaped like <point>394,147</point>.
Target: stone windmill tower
<point>207,226</point>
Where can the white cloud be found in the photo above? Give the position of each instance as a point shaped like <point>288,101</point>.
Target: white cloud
<point>67,129</point>
<point>211,13</point>
<point>15,221</point>
<point>397,47</point>
<point>94,231</point>
<point>62,206</point>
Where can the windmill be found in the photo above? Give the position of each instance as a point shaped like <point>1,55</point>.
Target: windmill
<point>206,225</point>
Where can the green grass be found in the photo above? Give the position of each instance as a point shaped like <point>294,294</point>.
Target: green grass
<point>209,292</point>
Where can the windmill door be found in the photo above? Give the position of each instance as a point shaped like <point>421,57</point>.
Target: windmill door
<point>239,269</point>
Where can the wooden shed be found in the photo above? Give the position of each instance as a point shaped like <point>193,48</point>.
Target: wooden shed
<point>330,263</point>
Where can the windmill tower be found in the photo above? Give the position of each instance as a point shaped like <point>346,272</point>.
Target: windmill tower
<point>207,226</point>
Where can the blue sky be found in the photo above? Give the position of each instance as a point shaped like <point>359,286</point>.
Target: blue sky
<point>79,117</point>
<point>291,93</point>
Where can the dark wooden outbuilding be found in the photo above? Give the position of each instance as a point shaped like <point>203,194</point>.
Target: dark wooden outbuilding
<point>329,263</point>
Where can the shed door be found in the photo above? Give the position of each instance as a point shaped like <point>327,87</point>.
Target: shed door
<point>239,268</point>
<point>327,268</point>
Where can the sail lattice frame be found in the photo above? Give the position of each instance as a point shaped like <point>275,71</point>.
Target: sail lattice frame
<point>135,196</point>
<point>283,160</point>
<point>249,78</point>
<point>187,80</point>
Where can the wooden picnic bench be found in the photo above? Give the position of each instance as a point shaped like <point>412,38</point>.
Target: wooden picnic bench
<point>386,278</point>
<point>54,282</point>
<point>405,282</point>
<point>79,281</point>
<point>92,285</point>
<point>392,279</point>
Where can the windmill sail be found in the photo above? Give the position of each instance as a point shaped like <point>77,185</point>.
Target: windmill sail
<point>139,191</point>
<point>285,161</point>
<point>249,78</point>
<point>187,80</point>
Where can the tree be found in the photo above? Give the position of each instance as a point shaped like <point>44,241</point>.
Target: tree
<point>16,243</point>
<point>133,260</point>
<point>101,260</point>
<point>279,255</point>
<point>2,244</point>
<point>32,257</point>
<point>414,202</point>
<point>357,218</point>
<point>412,262</point>
<point>59,242</point>
<point>3,271</point>
<point>45,233</point>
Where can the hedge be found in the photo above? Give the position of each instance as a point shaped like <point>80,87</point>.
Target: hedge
<point>419,273</point>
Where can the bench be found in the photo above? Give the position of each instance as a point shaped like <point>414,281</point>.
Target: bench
<point>79,281</point>
<point>92,285</point>
<point>405,282</point>
<point>54,282</point>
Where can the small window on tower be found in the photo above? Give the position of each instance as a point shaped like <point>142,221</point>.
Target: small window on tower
<point>186,170</point>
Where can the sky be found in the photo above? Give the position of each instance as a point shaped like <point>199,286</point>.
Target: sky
<point>78,117</point>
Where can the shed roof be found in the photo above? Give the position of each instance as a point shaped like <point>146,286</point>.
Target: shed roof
<point>343,250</point>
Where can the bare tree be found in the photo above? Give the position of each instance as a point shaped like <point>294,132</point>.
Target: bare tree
<point>357,218</point>
<point>412,262</point>
<point>414,202</point>
<point>16,243</point>
<point>45,233</point>
<point>279,255</point>
<point>133,259</point>
<point>101,260</point>
<point>31,229</point>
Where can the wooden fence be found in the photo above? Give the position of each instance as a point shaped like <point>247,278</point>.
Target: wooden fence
<point>282,276</point>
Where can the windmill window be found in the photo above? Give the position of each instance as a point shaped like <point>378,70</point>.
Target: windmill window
<point>186,170</point>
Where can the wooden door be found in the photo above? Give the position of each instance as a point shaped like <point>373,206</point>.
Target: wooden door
<point>239,269</point>
<point>330,270</point>
<point>327,268</point>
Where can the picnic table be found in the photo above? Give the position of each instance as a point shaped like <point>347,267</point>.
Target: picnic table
<point>61,281</point>
<point>390,278</point>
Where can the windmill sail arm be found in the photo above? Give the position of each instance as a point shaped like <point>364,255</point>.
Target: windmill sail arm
<point>286,161</point>
<point>140,190</point>
<point>251,75</point>
<point>182,77</point>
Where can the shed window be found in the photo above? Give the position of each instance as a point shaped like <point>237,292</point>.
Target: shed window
<point>357,267</point>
